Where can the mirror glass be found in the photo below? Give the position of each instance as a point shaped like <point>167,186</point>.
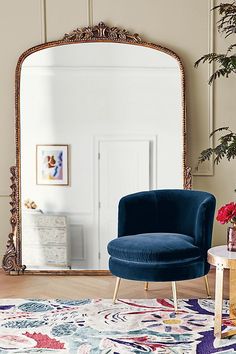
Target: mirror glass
<point>98,121</point>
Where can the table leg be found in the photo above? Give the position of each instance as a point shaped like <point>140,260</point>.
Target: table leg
<point>232,295</point>
<point>232,303</point>
<point>218,300</point>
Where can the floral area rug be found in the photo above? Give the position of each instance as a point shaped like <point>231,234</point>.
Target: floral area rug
<point>98,326</point>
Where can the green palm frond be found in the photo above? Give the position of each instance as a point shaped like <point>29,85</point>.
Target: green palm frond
<point>220,152</point>
<point>231,150</point>
<point>219,130</point>
<point>227,64</point>
<point>225,149</point>
<point>227,24</point>
<point>225,139</point>
<point>224,72</point>
<point>205,155</point>
<point>211,57</point>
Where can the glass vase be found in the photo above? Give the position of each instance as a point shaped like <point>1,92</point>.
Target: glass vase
<point>231,238</point>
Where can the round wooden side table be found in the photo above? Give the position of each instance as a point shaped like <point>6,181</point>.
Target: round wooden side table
<point>222,259</point>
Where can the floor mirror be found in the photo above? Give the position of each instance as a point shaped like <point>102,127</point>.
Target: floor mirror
<point>100,114</point>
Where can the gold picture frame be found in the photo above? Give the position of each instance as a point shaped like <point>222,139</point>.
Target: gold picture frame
<point>52,164</point>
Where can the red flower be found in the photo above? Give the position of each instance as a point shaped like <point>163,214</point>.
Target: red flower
<point>227,213</point>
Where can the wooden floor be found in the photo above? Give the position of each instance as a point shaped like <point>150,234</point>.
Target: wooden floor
<point>76,287</point>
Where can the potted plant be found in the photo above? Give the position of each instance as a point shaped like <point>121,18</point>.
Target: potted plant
<point>226,65</point>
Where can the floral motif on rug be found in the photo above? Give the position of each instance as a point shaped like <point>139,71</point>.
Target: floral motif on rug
<point>98,326</point>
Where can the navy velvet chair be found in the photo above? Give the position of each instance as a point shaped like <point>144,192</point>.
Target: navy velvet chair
<point>163,235</point>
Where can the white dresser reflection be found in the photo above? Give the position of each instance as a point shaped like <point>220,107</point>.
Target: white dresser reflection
<point>45,241</point>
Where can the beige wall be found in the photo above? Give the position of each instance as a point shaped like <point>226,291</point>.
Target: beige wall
<point>184,26</point>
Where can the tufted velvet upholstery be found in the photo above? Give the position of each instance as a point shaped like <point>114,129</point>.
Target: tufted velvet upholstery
<point>163,235</point>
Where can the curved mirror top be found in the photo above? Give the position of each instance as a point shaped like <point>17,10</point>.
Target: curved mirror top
<point>101,55</point>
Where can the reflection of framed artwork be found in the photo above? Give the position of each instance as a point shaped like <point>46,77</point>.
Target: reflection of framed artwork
<point>52,165</point>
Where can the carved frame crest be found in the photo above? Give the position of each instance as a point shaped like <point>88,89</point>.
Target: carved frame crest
<point>12,260</point>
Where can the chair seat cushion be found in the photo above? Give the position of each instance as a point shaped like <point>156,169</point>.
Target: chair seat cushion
<point>154,247</point>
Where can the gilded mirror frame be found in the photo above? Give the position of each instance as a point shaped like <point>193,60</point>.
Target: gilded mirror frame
<point>12,260</point>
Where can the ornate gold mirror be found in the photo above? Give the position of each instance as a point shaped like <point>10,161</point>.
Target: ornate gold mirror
<point>99,114</point>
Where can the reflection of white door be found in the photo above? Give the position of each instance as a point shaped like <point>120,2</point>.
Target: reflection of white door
<point>124,168</point>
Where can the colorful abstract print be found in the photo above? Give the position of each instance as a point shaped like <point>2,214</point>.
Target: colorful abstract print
<point>98,326</point>
<point>52,166</point>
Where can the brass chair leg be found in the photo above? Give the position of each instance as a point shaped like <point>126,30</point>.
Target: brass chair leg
<point>207,287</point>
<point>146,286</point>
<point>116,290</point>
<point>174,292</point>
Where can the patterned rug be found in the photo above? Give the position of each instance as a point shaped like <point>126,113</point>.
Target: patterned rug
<point>97,326</point>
